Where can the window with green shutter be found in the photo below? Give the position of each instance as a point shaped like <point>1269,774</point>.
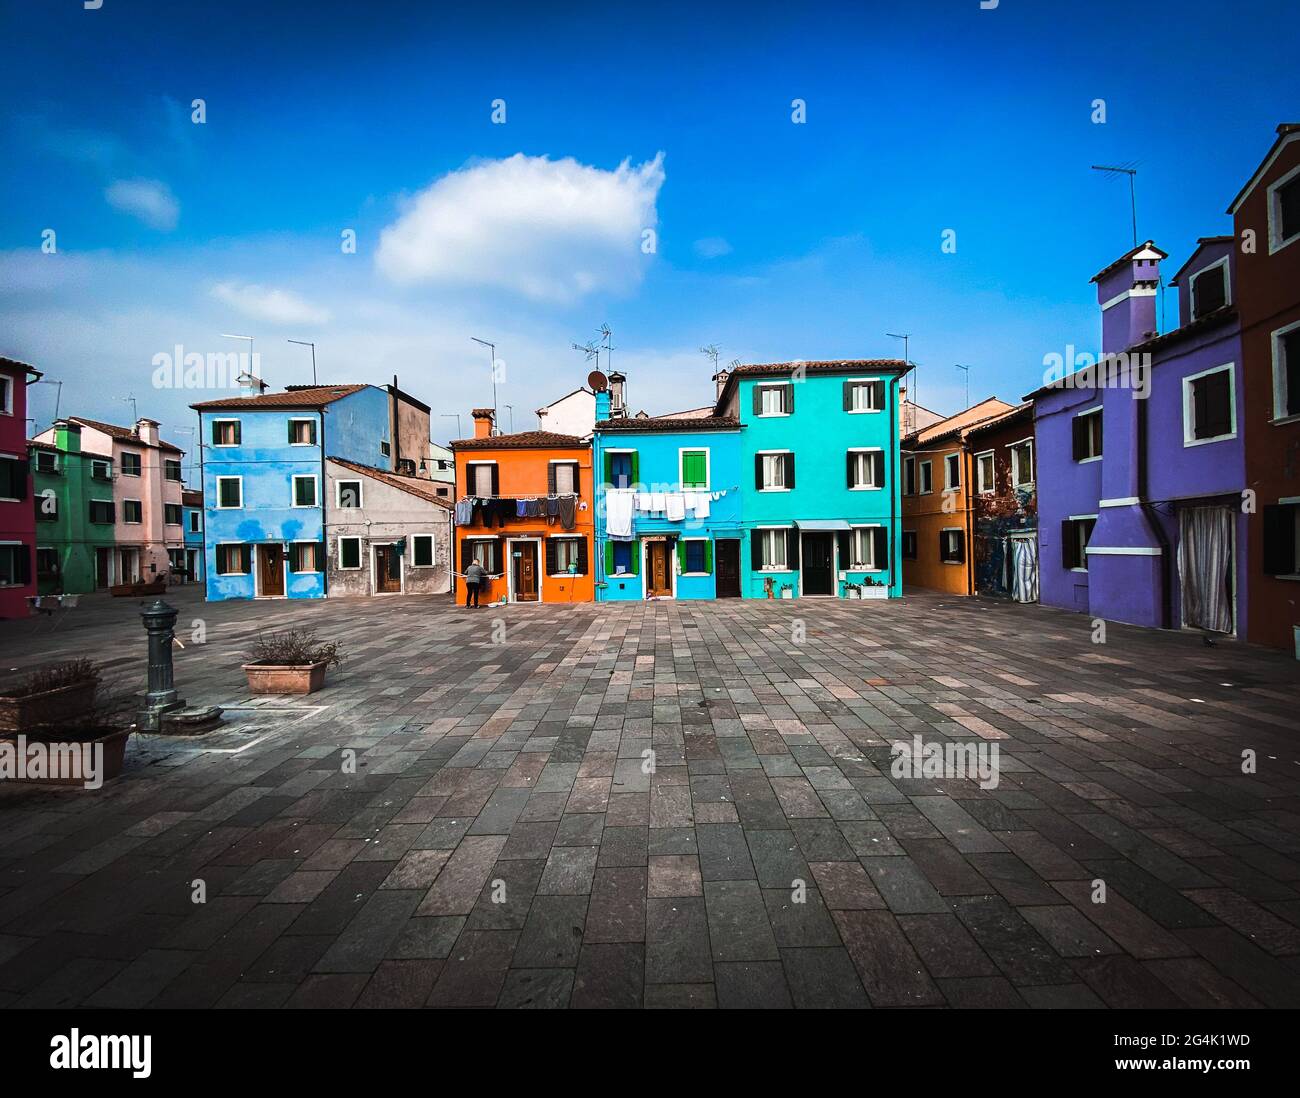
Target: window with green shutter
<point>695,468</point>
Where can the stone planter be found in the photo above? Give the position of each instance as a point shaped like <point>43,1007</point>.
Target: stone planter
<point>285,678</point>
<point>60,769</point>
<point>138,590</point>
<point>875,593</point>
<point>20,714</point>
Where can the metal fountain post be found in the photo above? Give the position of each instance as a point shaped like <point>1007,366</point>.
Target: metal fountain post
<point>159,624</point>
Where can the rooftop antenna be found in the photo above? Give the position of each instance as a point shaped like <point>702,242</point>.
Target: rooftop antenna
<point>58,396</point>
<point>607,334</point>
<point>1130,169</point>
<point>907,361</point>
<point>591,350</point>
<point>135,414</point>
<point>712,351</point>
<point>306,343</point>
<point>966,370</point>
<point>492,350</point>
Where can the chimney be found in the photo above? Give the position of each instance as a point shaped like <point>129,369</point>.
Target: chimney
<point>484,422</point>
<point>602,405</point>
<point>720,380</point>
<point>1126,292</point>
<point>250,385</point>
<point>617,404</point>
<point>146,430</point>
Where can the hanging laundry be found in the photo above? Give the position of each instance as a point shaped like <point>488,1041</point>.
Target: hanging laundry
<point>618,514</point>
<point>675,506</point>
<point>521,508</point>
<point>552,507</point>
<point>700,505</point>
<point>643,501</point>
<point>568,512</point>
<point>657,502</point>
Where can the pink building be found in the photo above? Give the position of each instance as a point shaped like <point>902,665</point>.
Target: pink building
<point>17,516</point>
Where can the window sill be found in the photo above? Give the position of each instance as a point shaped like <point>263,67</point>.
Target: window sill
<point>1083,570</point>
<point>1282,421</point>
<point>1189,442</point>
<point>694,575</point>
<point>1293,578</point>
<point>774,489</point>
<point>564,575</point>
<point>953,562</point>
<point>1085,461</point>
<point>864,411</point>
<point>867,488</point>
<point>778,571</point>
<point>773,415</point>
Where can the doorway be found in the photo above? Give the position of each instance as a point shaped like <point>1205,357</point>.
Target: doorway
<point>818,564</point>
<point>129,565</point>
<point>523,570</point>
<point>103,568</point>
<point>1022,563</point>
<point>270,571</point>
<point>388,571</point>
<point>658,570</point>
<point>1205,568</point>
<point>191,565</point>
<point>727,563</point>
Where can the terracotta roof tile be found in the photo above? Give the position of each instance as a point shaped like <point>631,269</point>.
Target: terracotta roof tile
<point>318,397</point>
<point>122,434</point>
<point>670,423</point>
<point>415,486</point>
<point>822,366</point>
<point>523,440</point>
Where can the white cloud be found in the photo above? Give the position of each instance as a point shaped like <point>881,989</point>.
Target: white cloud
<point>551,230</point>
<point>148,200</point>
<point>711,247</point>
<point>269,304</point>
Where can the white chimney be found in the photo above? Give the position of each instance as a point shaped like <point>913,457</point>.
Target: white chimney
<point>250,385</point>
<point>146,430</point>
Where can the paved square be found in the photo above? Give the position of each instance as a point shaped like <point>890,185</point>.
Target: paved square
<point>501,843</point>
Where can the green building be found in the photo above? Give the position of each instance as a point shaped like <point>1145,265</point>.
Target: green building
<point>73,496</point>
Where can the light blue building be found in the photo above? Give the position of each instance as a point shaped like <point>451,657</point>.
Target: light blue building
<point>819,453</point>
<point>192,523</point>
<point>668,506</point>
<point>263,475</point>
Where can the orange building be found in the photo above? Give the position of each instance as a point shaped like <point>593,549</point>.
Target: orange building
<point>938,520</point>
<point>525,512</point>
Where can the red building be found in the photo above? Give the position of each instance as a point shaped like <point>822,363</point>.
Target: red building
<point>17,514</point>
<point>1266,224</point>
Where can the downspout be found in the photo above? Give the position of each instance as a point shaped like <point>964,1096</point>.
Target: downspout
<point>324,511</point>
<point>1153,518</point>
<point>393,427</point>
<point>968,484</point>
<point>204,509</point>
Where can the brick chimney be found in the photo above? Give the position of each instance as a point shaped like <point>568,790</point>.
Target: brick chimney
<point>484,422</point>
<point>1126,292</point>
<point>146,430</point>
<point>720,381</point>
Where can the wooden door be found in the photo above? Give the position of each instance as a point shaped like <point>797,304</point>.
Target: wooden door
<point>388,570</point>
<point>727,566</point>
<point>523,555</point>
<point>818,565</point>
<point>658,578</point>
<point>270,570</point>
<point>103,568</point>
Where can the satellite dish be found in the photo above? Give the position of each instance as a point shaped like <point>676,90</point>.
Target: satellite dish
<point>598,381</point>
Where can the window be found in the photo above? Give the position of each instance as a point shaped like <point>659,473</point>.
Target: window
<point>347,493</point>
<point>15,565</point>
<point>695,557</point>
<point>483,478</point>
<point>406,466</point>
<point>101,469</point>
<point>47,507</point>
<point>1209,406</point>
<point>864,396</point>
<point>130,464</point>
<point>1022,463</point>
<point>952,546</point>
<point>774,400</point>
<point>102,512</point>
<point>304,491</point>
<point>194,522</point>
<point>47,562</point>
<point>172,514</point>
<point>6,396</point>
<point>866,469</point>
<point>951,471</point>
<point>302,432</point>
<point>1086,435</point>
<point>350,553</point>
<point>442,490</point>
<point>621,557</point>
<point>620,468</point>
<point>46,462</point>
<point>927,477</point>
<point>909,545</point>
<point>984,476</point>
<point>1075,535</point>
<point>909,476</point>
<point>234,560</point>
<point>865,549</point>
<point>176,560</point>
<point>1286,372</point>
<point>486,551</point>
<point>132,512</point>
<point>562,478</point>
<point>304,556</point>
<point>385,448</point>
<point>13,478</point>
<point>566,556</point>
<point>1282,538</point>
<point>230,493</point>
<point>172,469</point>
<point>694,468</point>
<point>225,432</point>
<point>1209,289</point>
<point>1284,211</point>
<point>775,550</point>
<point>774,472</point>
<point>423,551</point>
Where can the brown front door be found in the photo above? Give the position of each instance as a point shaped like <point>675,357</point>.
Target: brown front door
<point>658,576</point>
<point>103,567</point>
<point>388,570</point>
<point>523,557</point>
<point>727,564</point>
<point>270,570</point>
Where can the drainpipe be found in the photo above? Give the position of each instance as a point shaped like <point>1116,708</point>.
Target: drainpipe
<point>204,508</point>
<point>393,427</point>
<point>324,525</point>
<point>1166,595</point>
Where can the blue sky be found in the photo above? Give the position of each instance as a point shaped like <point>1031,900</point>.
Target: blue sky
<point>774,240</point>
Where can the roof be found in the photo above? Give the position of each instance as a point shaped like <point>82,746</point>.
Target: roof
<point>123,434</point>
<point>1147,250</point>
<point>560,400</point>
<point>523,440</point>
<point>1285,132</point>
<point>415,486</point>
<point>477,413</point>
<point>191,497</point>
<point>1220,316</point>
<point>33,444</point>
<point>822,366</point>
<point>1201,244</point>
<point>1002,419</point>
<point>689,413</point>
<point>14,364</point>
<point>987,408</point>
<point>318,397</point>
<point>670,423</point>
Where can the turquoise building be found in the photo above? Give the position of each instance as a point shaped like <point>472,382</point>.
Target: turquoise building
<point>820,485</point>
<point>668,506</point>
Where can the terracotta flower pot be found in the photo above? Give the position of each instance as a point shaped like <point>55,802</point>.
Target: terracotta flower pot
<point>60,771</point>
<point>285,678</point>
<point>48,708</point>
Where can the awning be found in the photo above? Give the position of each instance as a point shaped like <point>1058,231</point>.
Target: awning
<point>822,524</point>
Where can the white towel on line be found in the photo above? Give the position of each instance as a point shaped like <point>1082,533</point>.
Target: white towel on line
<point>700,505</point>
<point>675,506</point>
<point>618,514</point>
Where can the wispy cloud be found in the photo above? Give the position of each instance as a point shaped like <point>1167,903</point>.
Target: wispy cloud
<point>148,200</point>
<point>551,230</point>
<point>711,247</point>
<point>269,303</point>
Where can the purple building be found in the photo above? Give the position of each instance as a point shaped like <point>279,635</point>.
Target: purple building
<point>1141,462</point>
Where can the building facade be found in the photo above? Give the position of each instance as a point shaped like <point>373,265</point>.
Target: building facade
<point>1005,553</point>
<point>191,556</point>
<point>819,476</point>
<point>525,510</point>
<point>17,517</point>
<point>75,513</point>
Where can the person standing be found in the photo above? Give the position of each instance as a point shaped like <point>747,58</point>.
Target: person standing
<point>475,577</point>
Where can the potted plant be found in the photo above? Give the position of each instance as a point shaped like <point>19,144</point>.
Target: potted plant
<point>852,591</point>
<point>85,748</point>
<point>292,662</point>
<point>874,589</point>
<point>48,695</point>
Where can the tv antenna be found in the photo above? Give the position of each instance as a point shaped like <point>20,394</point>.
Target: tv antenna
<point>135,413</point>
<point>1114,171</point>
<point>711,352</point>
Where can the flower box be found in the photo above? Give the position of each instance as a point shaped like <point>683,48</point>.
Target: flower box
<point>285,678</point>
<point>18,714</point>
<point>60,768</point>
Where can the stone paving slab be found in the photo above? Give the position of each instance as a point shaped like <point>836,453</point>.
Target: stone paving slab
<point>670,805</point>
